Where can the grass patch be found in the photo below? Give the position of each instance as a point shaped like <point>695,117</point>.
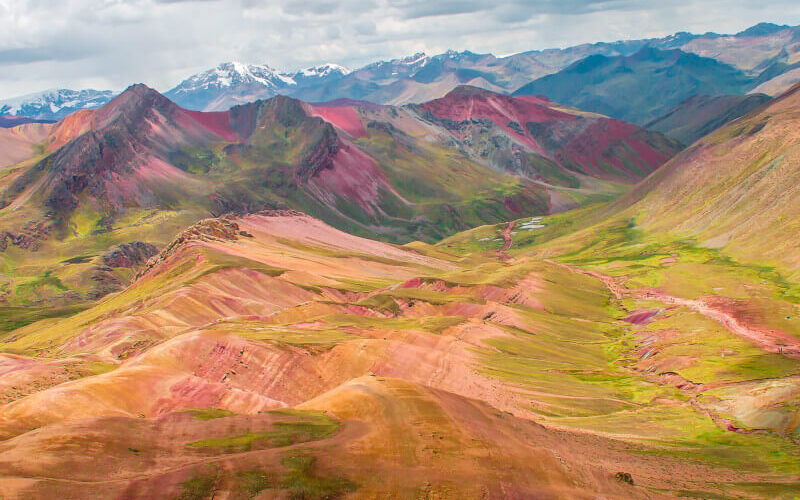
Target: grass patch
<point>303,483</point>
<point>197,488</point>
<point>15,317</point>
<point>252,482</point>
<point>297,427</point>
<point>208,413</point>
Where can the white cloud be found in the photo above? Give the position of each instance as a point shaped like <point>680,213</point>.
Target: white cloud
<point>112,43</point>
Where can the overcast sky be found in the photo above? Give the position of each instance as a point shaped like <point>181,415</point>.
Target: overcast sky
<point>112,43</point>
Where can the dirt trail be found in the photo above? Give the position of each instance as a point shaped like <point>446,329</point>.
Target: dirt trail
<point>774,341</point>
<point>507,242</point>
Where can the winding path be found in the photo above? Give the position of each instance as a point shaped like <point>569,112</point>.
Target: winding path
<point>507,242</point>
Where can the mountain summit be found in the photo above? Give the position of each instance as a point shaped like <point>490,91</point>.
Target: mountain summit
<point>229,84</point>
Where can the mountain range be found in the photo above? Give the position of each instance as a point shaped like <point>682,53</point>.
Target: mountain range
<point>765,58</point>
<point>369,168</point>
<point>640,87</point>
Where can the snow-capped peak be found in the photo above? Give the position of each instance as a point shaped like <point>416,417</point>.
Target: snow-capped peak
<point>55,103</point>
<point>229,74</point>
<point>419,57</point>
<point>324,70</point>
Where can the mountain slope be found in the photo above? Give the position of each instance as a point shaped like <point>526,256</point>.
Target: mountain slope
<point>20,142</point>
<point>9,121</point>
<point>640,87</point>
<point>735,189</point>
<point>700,115</point>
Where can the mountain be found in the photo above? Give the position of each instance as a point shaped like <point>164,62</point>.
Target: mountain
<point>9,121</point>
<point>534,138</point>
<point>420,77</point>
<point>734,189</point>
<point>314,75</point>
<point>766,53</point>
<point>640,87</point>
<point>54,104</point>
<point>233,83</point>
<point>142,150</point>
<point>752,50</point>
<point>122,158</point>
<point>346,299</point>
<point>761,50</point>
<point>700,115</point>
<point>227,85</point>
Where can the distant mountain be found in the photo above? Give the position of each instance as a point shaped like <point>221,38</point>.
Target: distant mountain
<point>54,104</point>
<point>761,51</point>
<point>420,77</point>
<point>700,115</point>
<point>315,74</point>
<point>233,83</point>
<point>752,50</point>
<point>227,85</point>
<point>8,121</point>
<point>640,87</point>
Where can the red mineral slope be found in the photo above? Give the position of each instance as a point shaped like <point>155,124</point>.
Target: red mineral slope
<point>342,116</point>
<point>577,142</point>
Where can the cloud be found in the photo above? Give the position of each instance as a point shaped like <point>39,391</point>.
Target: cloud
<point>415,9</point>
<point>365,28</point>
<point>314,7</point>
<point>111,43</point>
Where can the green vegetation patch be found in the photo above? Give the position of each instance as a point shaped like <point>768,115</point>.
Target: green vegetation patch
<point>12,318</point>
<point>197,488</point>
<point>303,482</point>
<point>252,482</point>
<point>296,427</point>
<point>208,413</point>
